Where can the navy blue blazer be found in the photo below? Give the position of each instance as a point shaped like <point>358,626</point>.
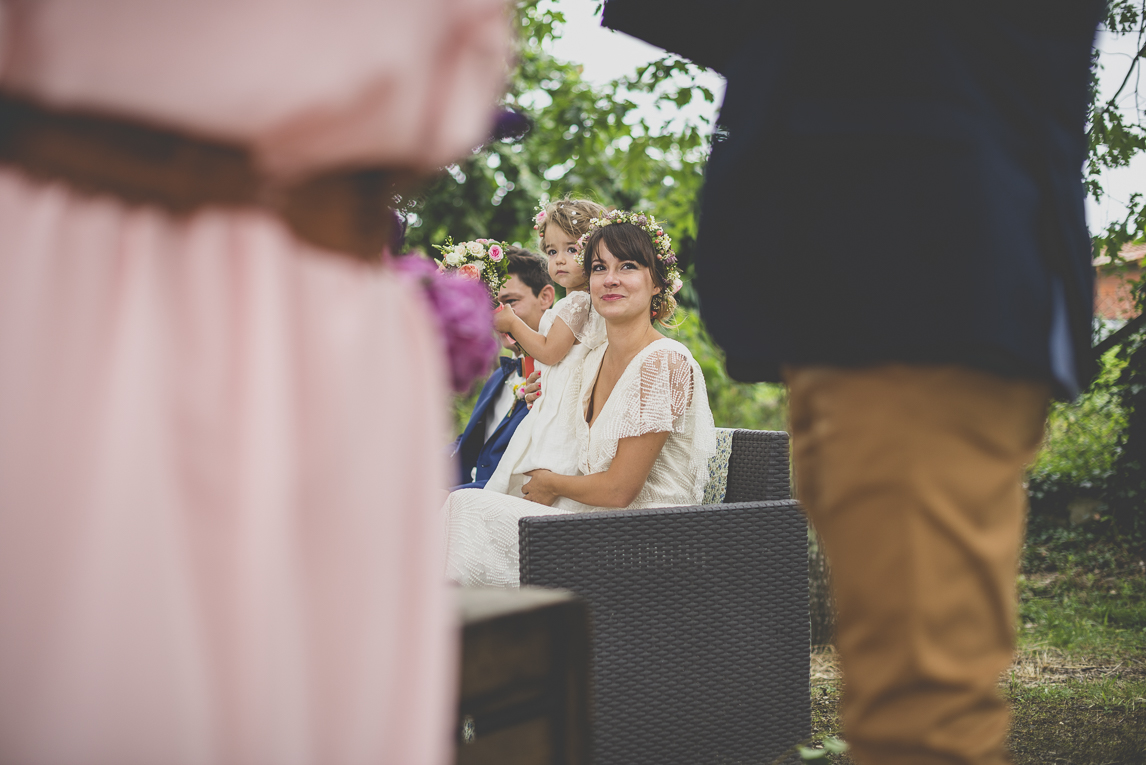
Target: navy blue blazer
<point>892,181</point>
<point>472,449</point>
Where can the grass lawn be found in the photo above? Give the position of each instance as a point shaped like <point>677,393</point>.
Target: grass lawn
<point>1078,684</point>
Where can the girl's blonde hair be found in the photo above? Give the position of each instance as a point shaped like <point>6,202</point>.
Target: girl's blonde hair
<point>570,215</point>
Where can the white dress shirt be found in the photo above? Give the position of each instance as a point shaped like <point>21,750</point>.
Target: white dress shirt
<point>501,405</point>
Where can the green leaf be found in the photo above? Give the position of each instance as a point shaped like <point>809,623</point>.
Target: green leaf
<point>835,745</point>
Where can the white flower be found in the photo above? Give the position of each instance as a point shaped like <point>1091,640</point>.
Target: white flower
<point>476,248</point>
<point>453,259</point>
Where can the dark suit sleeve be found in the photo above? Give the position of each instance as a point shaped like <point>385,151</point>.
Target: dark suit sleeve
<point>469,444</point>
<point>706,32</point>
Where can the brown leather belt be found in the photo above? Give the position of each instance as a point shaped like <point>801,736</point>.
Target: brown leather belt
<point>346,211</point>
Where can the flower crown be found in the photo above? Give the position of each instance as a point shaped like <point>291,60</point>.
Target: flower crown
<point>662,244</point>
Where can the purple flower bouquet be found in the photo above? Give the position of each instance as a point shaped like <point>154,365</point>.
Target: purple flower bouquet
<point>461,304</point>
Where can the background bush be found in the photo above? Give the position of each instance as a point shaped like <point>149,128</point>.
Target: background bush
<point>1082,443</point>
<point>1091,469</point>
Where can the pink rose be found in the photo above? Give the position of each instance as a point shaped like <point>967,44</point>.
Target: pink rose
<point>482,241</point>
<point>495,252</point>
<point>441,267</point>
<point>676,285</point>
<point>470,271</point>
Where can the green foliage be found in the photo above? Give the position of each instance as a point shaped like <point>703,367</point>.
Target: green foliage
<point>463,405</point>
<point>1095,450</point>
<point>586,141</point>
<point>1116,137</point>
<point>1083,436</point>
<point>1125,492</point>
<point>828,746</point>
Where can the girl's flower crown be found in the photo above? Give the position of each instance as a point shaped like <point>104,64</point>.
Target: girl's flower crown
<point>662,244</point>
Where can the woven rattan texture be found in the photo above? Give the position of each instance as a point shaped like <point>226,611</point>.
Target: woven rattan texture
<point>758,466</point>
<point>700,626</point>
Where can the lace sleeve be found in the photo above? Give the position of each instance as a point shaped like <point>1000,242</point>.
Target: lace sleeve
<point>665,391</point>
<point>575,310</point>
<point>656,398</point>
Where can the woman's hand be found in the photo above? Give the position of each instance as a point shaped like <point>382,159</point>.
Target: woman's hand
<point>504,319</point>
<point>540,488</point>
<point>532,389</point>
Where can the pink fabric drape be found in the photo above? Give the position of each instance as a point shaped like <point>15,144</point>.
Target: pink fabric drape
<point>220,449</point>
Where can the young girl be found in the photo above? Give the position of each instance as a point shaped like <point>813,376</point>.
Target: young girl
<point>568,331</point>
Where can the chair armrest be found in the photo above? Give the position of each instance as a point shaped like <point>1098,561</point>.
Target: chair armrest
<point>758,467</point>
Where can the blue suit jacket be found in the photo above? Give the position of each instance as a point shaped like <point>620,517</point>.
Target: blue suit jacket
<point>891,181</point>
<point>473,449</point>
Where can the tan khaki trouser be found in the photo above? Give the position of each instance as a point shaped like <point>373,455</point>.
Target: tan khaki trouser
<point>912,477</point>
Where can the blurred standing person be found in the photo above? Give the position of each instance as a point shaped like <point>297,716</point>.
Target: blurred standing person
<point>908,177</point>
<point>218,472</point>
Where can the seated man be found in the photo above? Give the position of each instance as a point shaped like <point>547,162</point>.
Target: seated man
<point>498,412</point>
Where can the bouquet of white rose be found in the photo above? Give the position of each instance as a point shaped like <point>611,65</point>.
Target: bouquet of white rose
<point>482,259</point>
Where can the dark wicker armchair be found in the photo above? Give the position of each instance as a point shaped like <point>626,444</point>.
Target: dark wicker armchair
<point>699,616</point>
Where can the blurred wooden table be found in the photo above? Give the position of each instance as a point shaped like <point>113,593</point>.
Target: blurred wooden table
<point>524,678</point>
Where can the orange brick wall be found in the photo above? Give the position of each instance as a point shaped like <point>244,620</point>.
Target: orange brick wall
<point>1112,293</point>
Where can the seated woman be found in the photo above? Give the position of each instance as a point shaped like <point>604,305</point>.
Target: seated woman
<point>644,429</point>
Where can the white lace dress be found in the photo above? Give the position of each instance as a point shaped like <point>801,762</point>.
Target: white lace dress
<point>546,437</point>
<point>662,390</point>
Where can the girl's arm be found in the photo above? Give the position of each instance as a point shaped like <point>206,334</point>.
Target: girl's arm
<point>616,487</point>
<point>546,349</point>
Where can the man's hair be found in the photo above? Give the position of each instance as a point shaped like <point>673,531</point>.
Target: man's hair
<point>528,266</point>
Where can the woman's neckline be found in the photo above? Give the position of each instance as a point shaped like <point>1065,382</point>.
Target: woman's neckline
<point>588,409</point>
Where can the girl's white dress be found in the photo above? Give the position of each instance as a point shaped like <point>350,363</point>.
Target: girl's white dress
<point>545,437</point>
<point>662,390</point>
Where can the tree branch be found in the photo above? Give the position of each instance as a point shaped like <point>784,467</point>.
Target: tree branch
<point>1119,337</point>
<point>1103,109</point>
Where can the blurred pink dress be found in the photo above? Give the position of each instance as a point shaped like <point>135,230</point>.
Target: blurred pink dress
<point>220,448</point>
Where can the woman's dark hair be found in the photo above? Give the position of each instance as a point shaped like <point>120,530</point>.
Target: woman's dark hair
<point>528,266</point>
<point>630,242</point>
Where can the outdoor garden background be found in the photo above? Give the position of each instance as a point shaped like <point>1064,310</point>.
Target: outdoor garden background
<point>1079,682</point>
